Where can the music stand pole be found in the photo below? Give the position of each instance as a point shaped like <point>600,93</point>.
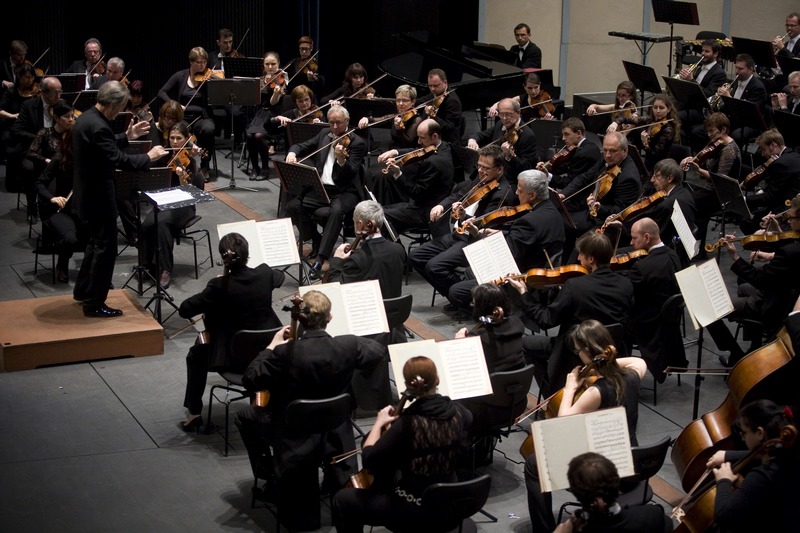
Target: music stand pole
<point>161,293</point>
<point>698,379</point>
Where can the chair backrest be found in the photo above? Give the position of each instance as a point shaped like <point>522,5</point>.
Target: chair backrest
<point>247,343</point>
<point>510,387</point>
<point>672,309</point>
<point>678,152</point>
<point>648,460</point>
<point>319,416</point>
<point>453,502</point>
<point>398,309</point>
<point>617,331</point>
<point>708,34</point>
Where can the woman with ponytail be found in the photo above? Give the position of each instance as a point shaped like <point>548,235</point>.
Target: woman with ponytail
<point>616,384</point>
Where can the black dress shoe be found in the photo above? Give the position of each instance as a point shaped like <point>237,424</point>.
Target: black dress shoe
<point>103,311</point>
<point>315,272</point>
<point>61,275</point>
<point>253,173</point>
<point>165,279</point>
<point>194,425</point>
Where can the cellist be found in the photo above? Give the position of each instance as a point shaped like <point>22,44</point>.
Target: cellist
<point>615,383</point>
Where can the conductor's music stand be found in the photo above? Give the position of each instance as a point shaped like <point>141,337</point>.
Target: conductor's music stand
<point>72,82</point>
<point>81,100</point>
<point>687,94</point>
<point>731,199</point>
<point>673,13</point>
<point>743,114</point>
<point>230,92</point>
<point>789,125</point>
<point>129,184</point>
<point>643,77</point>
<point>165,200</point>
<point>370,108</point>
<point>301,181</point>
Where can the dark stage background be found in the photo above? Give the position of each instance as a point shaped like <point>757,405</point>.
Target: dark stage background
<point>154,37</point>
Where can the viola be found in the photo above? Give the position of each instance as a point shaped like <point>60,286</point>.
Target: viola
<point>207,74</point>
<point>344,142</point>
<point>706,153</point>
<point>634,208</point>
<point>755,376</point>
<point>603,185</point>
<point>410,156</point>
<point>541,278</point>
<point>758,173</point>
<point>542,100</point>
<point>498,216</point>
<point>473,196</point>
<point>757,242</point>
<point>560,157</point>
<point>405,117</point>
<point>622,261</point>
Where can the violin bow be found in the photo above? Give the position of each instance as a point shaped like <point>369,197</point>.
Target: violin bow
<point>299,70</point>
<point>585,187</point>
<point>337,139</point>
<point>646,125</point>
<point>40,57</point>
<point>242,40</point>
<point>319,108</point>
<point>618,110</point>
<point>365,87</point>
<point>502,137</point>
<point>95,65</point>
<point>392,116</point>
<point>534,105</point>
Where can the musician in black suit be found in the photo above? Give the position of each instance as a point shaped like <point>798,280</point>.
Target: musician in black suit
<point>92,52</point>
<point>788,102</point>
<point>710,75</point>
<point>623,190</point>
<point>653,279</point>
<point>375,258</point>
<point>792,324</point>
<point>780,179</point>
<point>339,169</point>
<point>34,114</point>
<point>532,238</point>
<point>748,86</point>
<point>517,142</point>
<point>314,366</point>
<point>448,111</point>
<point>17,51</point>
<point>427,180</point>
<point>438,259</point>
<point>583,157</point>
<point>239,299</point>
<point>528,54</point>
<point>791,47</point>
<point>97,153</point>
<point>601,295</point>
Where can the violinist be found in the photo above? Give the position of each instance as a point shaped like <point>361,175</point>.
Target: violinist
<point>583,154</point>
<point>608,187</point>
<point>137,105</point>
<point>616,382</point>
<point>766,498</point>
<point>315,365</point>
<point>404,124</point>
<point>304,106</point>
<point>187,88</point>
<point>171,221</point>
<point>423,444</point>
<point>773,289</point>
<point>92,65</point>
<point>625,101</point>
<point>24,88</point>
<point>721,156</point>
<point>262,133</point>
<point>48,141</point>
<point>445,108</point>
<point>224,49</point>
<point>658,137</point>
<point>241,298</point>
<point>338,166</point>
<point>780,177</point>
<point>425,182</point>
<point>668,177</point>
<point>517,142</point>
<point>355,80</point>
<point>532,101</point>
<point>439,259</point>
<point>603,295</point>
<point>305,67</point>
<point>169,114</point>
<point>115,71</point>
<point>375,257</point>
<point>17,51</point>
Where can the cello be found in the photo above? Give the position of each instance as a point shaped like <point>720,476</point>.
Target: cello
<point>753,377</point>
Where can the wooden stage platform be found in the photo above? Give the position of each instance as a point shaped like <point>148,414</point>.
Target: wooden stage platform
<point>48,331</point>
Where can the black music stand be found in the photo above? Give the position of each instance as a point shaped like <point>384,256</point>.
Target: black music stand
<point>789,125</point>
<point>129,185</point>
<point>138,147</point>
<point>743,114</point>
<point>762,52</point>
<point>643,77</point>
<point>121,122</point>
<point>673,13</point>
<point>81,100</point>
<point>243,67</point>
<point>298,132</point>
<point>301,181</point>
<point>687,94</point>
<point>370,108</point>
<point>731,199</point>
<point>159,203</point>
<point>230,92</point>
<point>788,64</point>
<point>72,82</point>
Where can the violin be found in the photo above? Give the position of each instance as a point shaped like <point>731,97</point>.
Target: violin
<point>410,156</point>
<point>706,153</point>
<point>541,278</point>
<point>207,74</point>
<point>311,68</point>
<point>405,117</point>
<point>757,242</point>
<point>98,69</point>
<point>603,185</point>
<point>628,109</point>
<point>473,196</point>
<point>498,216</point>
<point>272,81</point>
<point>31,91</point>
<point>182,160</point>
<point>760,374</point>
<point>38,73</point>
<point>634,208</point>
<point>560,157</point>
<point>344,142</point>
<point>622,261</point>
<point>433,106</point>
<point>758,173</point>
<point>542,100</point>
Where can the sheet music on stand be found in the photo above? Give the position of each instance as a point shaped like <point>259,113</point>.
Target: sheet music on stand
<point>643,78</point>
<point>730,195</point>
<point>243,67</point>
<point>72,82</point>
<point>687,94</point>
<point>789,125</point>
<point>81,100</point>
<point>298,132</point>
<point>177,197</point>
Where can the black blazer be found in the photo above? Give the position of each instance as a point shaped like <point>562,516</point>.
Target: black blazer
<point>625,190</point>
<point>28,123</point>
<point>449,118</point>
<point>376,258</point>
<point>531,56</point>
<point>525,149</point>
<point>540,229</point>
<point>713,79</point>
<point>755,92</point>
<point>585,156</point>
<point>429,181</point>
<point>781,180</point>
<point>345,176</point>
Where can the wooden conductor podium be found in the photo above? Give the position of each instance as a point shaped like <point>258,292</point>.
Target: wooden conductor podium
<point>49,331</point>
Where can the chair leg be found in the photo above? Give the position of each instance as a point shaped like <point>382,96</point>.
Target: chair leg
<point>196,270</point>
<point>227,419</point>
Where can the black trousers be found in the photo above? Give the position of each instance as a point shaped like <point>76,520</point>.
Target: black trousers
<point>97,269</point>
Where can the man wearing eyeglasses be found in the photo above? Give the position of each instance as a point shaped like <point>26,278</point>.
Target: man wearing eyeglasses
<point>790,47</point>
<point>92,52</point>
<point>305,67</point>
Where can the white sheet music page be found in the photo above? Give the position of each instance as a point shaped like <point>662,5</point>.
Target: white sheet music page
<point>464,369</point>
<point>277,242</point>
<point>491,258</point>
<point>704,292</point>
<point>248,230</point>
<point>690,244</point>
<point>363,303</point>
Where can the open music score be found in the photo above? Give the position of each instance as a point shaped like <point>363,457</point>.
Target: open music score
<point>357,308</point>
<point>491,258</point>
<point>271,241</point>
<point>690,244</point>
<point>704,292</point>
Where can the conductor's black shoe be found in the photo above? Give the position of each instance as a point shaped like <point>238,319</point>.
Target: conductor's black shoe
<point>315,272</point>
<point>102,311</point>
<point>261,176</point>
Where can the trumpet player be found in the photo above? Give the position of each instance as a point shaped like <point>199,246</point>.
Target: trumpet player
<point>710,75</point>
<point>789,44</point>
<point>748,86</point>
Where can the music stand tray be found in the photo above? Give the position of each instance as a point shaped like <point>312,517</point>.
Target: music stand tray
<point>730,195</point>
<point>81,100</point>
<point>687,94</point>
<point>643,77</point>
<point>243,67</point>
<point>298,132</point>
<point>789,126</point>
<point>303,182</point>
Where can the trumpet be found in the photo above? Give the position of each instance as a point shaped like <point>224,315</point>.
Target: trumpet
<point>784,39</point>
<point>690,69</point>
